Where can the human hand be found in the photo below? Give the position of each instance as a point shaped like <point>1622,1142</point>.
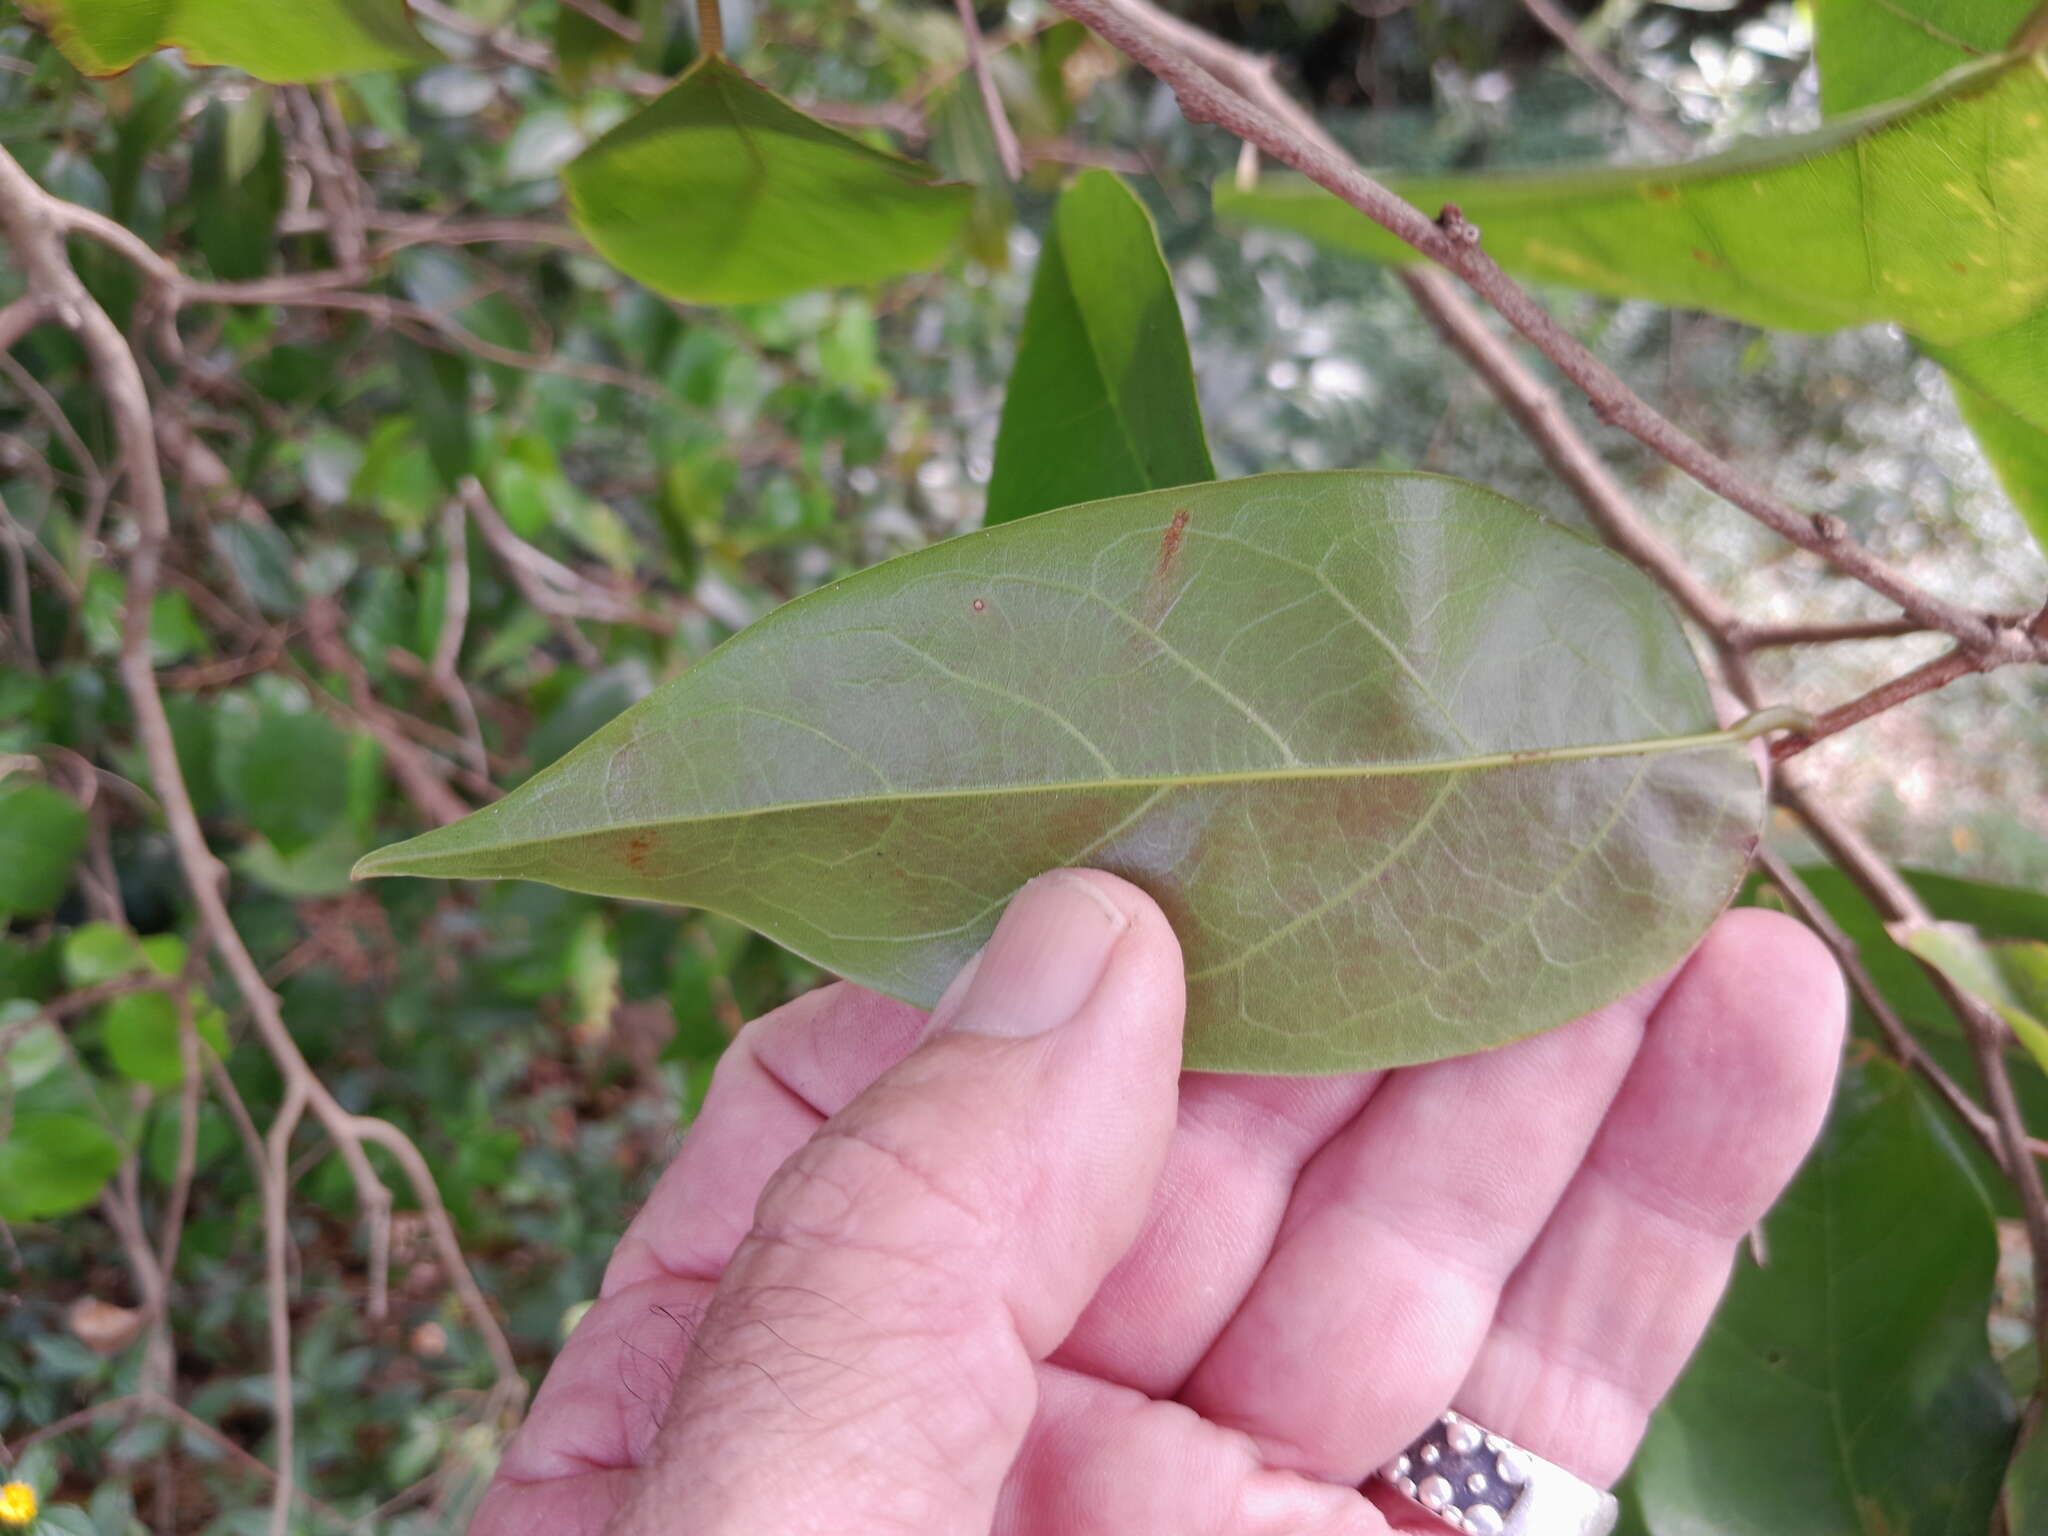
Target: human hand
<point>1025,1277</point>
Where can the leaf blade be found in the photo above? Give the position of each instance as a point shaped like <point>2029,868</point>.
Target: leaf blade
<point>801,205</point>
<point>1822,1405</point>
<point>1865,219</point>
<point>1215,691</point>
<point>1101,401</point>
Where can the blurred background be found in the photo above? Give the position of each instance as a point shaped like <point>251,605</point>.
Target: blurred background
<point>661,476</point>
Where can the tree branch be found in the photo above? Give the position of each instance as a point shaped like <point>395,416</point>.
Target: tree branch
<point>1159,42</point>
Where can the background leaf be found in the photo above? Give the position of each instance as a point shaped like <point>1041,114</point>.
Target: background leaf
<point>1846,1386</point>
<point>1340,785</point>
<point>800,205</point>
<point>286,770</point>
<point>42,832</point>
<point>1870,218</point>
<point>53,1164</point>
<point>307,40</point>
<point>1101,401</point>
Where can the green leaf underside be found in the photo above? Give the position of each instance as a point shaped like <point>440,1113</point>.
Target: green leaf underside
<point>1410,768</point>
<point>1870,51</point>
<point>1932,213</point>
<point>720,192</point>
<point>1101,401</point>
<point>307,40</point>
<point>2001,387</point>
<point>1846,1387</point>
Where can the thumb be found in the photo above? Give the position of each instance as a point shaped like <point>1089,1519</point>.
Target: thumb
<point>866,1361</point>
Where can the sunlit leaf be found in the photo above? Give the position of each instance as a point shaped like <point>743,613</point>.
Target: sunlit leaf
<point>308,40</point>
<point>1101,400</point>
<point>1413,770</point>
<point>1846,1386</point>
<point>797,205</point>
<point>1870,51</point>
<point>1931,213</point>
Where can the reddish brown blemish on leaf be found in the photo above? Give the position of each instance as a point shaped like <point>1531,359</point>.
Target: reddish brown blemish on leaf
<point>1704,259</point>
<point>979,605</point>
<point>1170,542</point>
<point>638,847</point>
<point>1159,591</point>
<point>1661,193</point>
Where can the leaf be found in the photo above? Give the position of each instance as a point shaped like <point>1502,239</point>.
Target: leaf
<point>1930,212</point>
<point>42,832</point>
<point>307,40</point>
<point>584,47</point>
<point>1102,398</point>
<point>1846,1387</point>
<point>2001,388</point>
<point>2011,978</point>
<point>235,207</point>
<point>797,205</point>
<point>1413,770</point>
<point>2025,1495</point>
<point>1870,53</point>
<point>285,770</point>
<point>1879,50</point>
<point>53,1164</point>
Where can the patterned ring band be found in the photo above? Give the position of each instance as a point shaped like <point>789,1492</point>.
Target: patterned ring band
<point>1483,1484</point>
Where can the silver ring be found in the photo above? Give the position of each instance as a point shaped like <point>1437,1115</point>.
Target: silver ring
<point>1484,1484</point>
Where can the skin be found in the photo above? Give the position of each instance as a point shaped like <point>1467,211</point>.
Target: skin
<point>1009,1270</point>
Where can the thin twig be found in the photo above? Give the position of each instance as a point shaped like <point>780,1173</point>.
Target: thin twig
<point>991,99</point>
<point>1149,36</point>
<point>34,227</point>
<point>448,642</point>
<point>1601,69</point>
<point>1938,673</point>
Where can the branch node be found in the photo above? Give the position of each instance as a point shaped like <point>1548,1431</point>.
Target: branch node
<point>1828,528</point>
<point>1452,221</point>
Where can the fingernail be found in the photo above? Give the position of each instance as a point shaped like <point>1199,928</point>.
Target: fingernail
<point>1042,963</point>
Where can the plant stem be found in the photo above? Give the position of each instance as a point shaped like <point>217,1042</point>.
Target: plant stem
<point>710,30</point>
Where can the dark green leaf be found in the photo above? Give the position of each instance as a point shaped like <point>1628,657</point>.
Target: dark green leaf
<point>308,40</point>
<point>2026,1489</point>
<point>262,558</point>
<point>799,205</point>
<point>53,1164</point>
<point>1102,399</point>
<point>1846,1386</point>
<point>285,770</point>
<point>583,47</point>
<point>235,206</point>
<point>1391,820</point>
<point>42,832</point>
<point>437,384</point>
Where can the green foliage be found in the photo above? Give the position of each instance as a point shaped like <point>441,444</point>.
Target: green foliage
<point>1846,1387</point>
<point>1874,53</point>
<point>1928,212</point>
<point>1101,400</point>
<point>1518,839</point>
<point>799,205</point>
<point>309,40</point>
<point>42,832</point>
<point>53,1164</point>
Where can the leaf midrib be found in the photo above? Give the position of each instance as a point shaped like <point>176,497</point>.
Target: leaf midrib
<point>1478,763</point>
